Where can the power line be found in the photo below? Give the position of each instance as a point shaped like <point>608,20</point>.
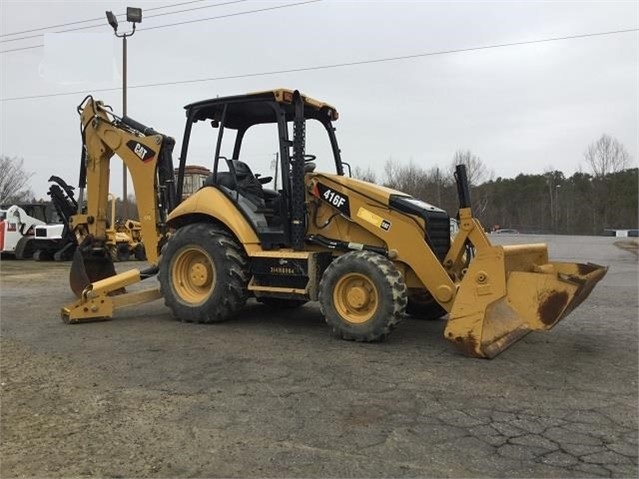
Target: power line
<point>231,15</point>
<point>335,65</point>
<point>96,19</point>
<point>22,48</point>
<point>146,16</point>
<point>277,7</point>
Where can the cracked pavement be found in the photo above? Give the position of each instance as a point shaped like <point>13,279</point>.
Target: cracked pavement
<point>272,394</point>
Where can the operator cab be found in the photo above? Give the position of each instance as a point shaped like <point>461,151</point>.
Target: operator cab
<point>262,183</point>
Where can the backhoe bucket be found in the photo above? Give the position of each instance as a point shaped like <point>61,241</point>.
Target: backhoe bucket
<point>509,291</point>
<point>88,267</point>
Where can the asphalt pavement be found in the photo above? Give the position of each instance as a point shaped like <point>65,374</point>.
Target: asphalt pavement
<point>273,394</point>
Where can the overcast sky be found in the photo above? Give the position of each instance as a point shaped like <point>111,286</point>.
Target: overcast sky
<point>522,108</point>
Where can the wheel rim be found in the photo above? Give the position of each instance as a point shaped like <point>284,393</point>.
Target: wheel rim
<point>355,298</point>
<point>193,275</point>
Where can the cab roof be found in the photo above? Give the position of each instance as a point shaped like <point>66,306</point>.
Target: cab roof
<point>253,108</point>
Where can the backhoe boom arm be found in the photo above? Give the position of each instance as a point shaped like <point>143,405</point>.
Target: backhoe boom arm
<point>147,155</point>
<point>148,159</point>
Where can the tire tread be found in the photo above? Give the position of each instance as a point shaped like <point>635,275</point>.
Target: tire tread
<point>395,308</point>
<point>234,282</point>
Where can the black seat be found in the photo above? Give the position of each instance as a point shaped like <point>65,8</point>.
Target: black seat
<point>224,178</point>
<point>247,184</point>
<point>270,194</point>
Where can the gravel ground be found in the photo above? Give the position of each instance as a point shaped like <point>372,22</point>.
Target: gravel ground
<point>272,394</point>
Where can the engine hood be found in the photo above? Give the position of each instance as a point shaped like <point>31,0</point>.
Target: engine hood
<point>385,195</point>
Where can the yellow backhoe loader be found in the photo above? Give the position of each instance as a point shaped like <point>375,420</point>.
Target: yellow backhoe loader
<point>365,252</point>
<point>124,237</point>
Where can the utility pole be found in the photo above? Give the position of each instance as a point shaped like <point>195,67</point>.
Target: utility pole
<point>439,187</point>
<point>557,208</point>
<point>134,16</point>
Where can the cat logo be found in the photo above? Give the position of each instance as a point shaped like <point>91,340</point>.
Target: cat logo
<point>140,151</point>
<point>143,152</point>
<point>373,219</point>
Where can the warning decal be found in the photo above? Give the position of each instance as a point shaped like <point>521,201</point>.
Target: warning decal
<point>373,219</point>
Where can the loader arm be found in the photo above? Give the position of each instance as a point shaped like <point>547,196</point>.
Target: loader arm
<point>493,294</point>
<point>369,219</point>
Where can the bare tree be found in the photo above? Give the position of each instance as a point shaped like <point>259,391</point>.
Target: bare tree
<point>477,173</point>
<point>14,181</point>
<point>476,170</point>
<point>365,174</point>
<point>439,181</point>
<point>410,179</point>
<point>606,155</point>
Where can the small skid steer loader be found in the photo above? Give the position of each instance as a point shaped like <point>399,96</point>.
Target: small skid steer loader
<point>365,252</point>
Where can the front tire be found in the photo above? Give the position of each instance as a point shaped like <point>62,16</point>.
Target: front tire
<point>25,247</point>
<point>362,296</point>
<point>203,274</point>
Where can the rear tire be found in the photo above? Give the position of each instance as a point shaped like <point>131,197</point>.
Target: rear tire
<point>203,274</point>
<point>362,296</point>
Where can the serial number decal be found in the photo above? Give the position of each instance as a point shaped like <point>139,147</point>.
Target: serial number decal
<point>143,152</point>
<point>373,219</point>
<point>334,198</point>
<point>281,270</point>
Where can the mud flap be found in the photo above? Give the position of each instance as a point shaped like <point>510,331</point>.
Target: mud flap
<point>509,291</point>
<point>88,267</point>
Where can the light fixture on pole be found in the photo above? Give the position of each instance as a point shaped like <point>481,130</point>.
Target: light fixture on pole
<point>134,16</point>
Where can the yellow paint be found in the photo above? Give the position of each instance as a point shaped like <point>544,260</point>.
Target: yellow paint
<point>104,140</point>
<point>355,298</point>
<point>193,275</point>
<point>214,204</point>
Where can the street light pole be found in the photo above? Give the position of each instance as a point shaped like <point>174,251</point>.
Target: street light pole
<point>134,16</point>
<point>124,74</point>
<point>125,181</point>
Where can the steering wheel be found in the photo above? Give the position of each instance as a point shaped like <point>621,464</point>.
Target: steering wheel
<point>309,158</point>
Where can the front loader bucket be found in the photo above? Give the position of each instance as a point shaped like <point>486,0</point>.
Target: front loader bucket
<point>509,291</point>
<point>88,267</point>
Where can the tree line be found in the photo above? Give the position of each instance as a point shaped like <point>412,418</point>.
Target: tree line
<point>604,197</point>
